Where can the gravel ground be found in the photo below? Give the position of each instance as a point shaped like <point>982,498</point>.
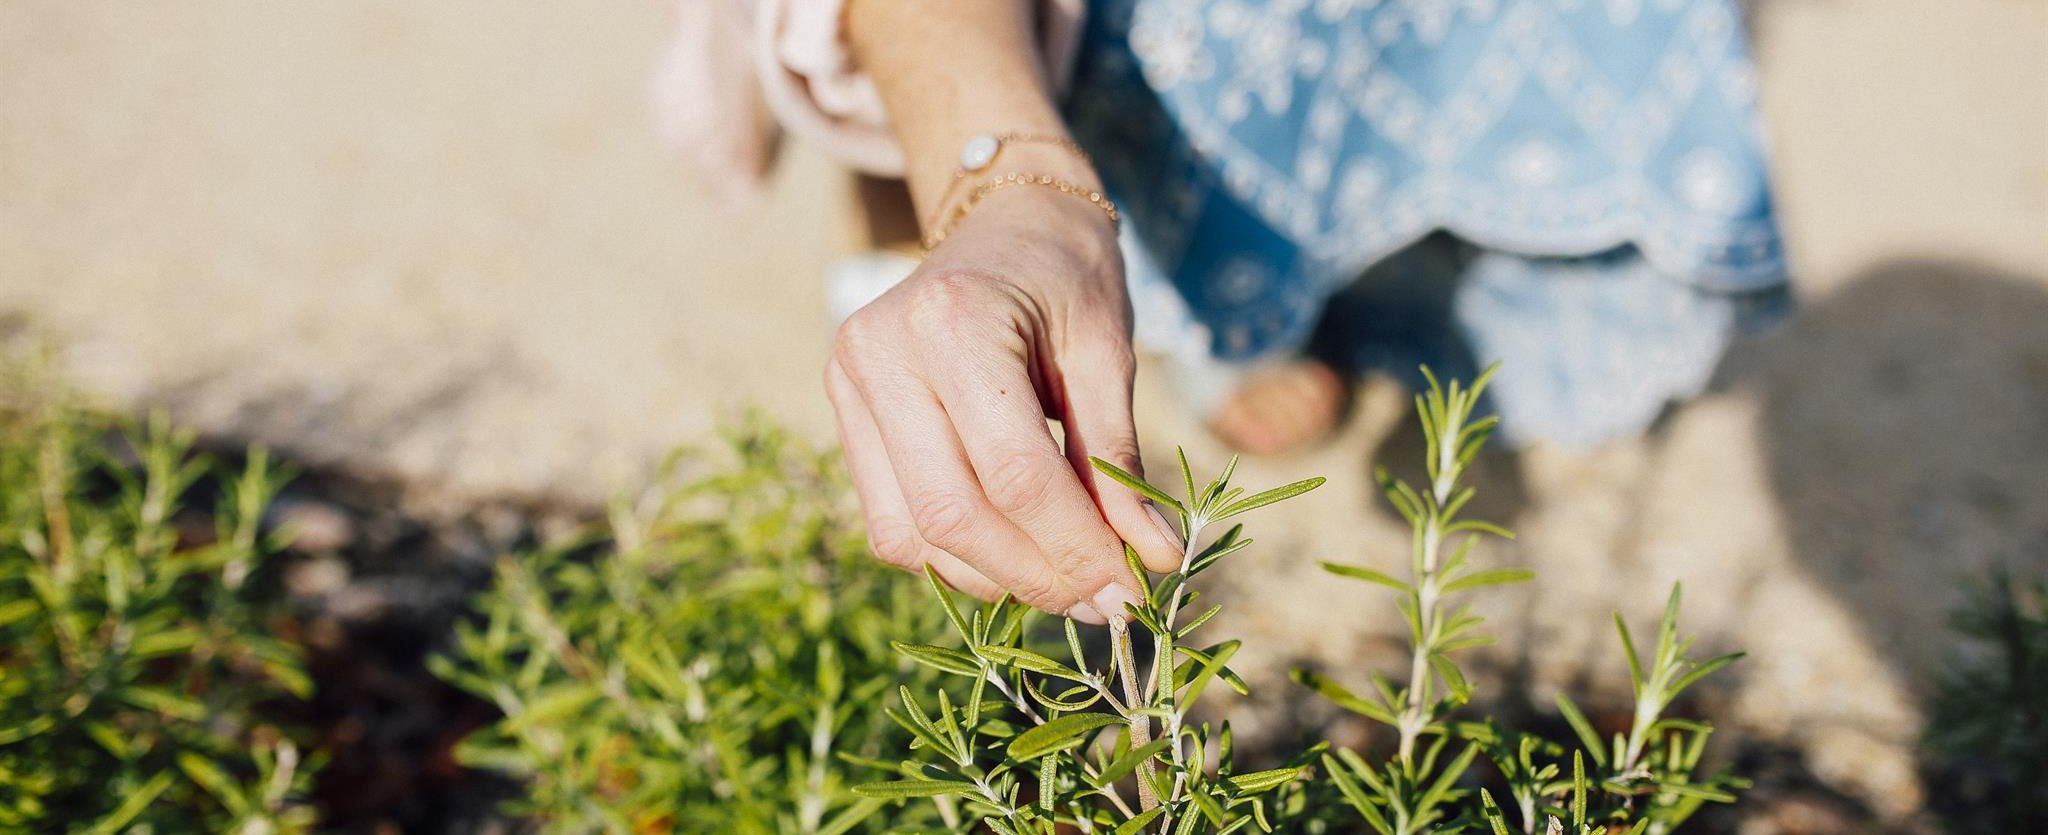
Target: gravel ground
<point>438,244</point>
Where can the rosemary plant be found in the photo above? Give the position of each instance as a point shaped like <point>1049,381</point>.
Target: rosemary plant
<point>1027,744</point>
<point>1641,781</point>
<point>720,661</point>
<point>1987,724</point>
<point>695,666</point>
<point>135,657</point>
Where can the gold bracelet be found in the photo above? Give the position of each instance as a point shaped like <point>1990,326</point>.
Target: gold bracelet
<point>981,151</point>
<point>939,234</point>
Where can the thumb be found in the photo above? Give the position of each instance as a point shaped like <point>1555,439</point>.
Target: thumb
<point>1098,423</point>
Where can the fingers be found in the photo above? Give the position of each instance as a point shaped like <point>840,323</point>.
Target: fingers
<point>1097,394</point>
<point>891,533</point>
<point>1001,423</point>
<point>945,499</point>
<point>945,432</point>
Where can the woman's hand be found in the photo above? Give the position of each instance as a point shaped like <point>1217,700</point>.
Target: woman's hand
<point>942,388</point>
<point>944,384</point>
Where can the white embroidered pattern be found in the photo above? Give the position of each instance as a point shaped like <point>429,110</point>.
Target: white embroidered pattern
<point>1263,58</point>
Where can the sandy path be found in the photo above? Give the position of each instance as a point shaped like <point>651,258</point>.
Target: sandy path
<point>440,241</point>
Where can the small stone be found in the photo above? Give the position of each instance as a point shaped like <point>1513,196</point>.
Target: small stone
<point>1802,814</point>
<point>315,527</point>
<point>316,577</point>
<point>503,527</point>
<point>360,603</point>
<point>979,152</point>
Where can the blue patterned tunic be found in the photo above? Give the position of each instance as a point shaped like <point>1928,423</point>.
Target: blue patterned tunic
<point>1576,187</point>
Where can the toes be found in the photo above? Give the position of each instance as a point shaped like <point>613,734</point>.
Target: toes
<point>1281,409</point>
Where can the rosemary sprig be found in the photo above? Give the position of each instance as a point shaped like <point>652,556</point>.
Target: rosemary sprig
<point>1643,782</point>
<point>1063,741</point>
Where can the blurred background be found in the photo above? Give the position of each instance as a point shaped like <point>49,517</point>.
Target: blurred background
<point>440,246</point>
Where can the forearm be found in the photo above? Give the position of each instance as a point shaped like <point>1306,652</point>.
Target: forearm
<point>948,70</point>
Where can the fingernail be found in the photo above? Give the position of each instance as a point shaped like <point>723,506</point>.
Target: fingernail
<point>1111,599</point>
<point>1087,614</point>
<point>1165,527</point>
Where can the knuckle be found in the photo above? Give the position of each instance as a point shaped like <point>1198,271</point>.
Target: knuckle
<point>1121,363</point>
<point>1041,593</point>
<point>944,520</point>
<point>1109,344</point>
<point>837,384</point>
<point>861,337</point>
<point>1081,557</point>
<point>948,290</point>
<point>945,304</point>
<point>1105,359</point>
<point>1123,452</point>
<point>1018,482</point>
<point>1114,356</point>
<point>896,543</point>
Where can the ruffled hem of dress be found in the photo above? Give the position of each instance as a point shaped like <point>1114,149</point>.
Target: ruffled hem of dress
<point>1675,261</point>
<point>1176,328</point>
<point>1717,253</point>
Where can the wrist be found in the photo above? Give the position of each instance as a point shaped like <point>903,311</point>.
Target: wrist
<point>1032,220</point>
<point>980,158</point>
<point>942,226</point>
<point>1050,152</point>
<point>989,163</point>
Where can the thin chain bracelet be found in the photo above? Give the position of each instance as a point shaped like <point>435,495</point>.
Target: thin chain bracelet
<point>938,235</point>
<point>980,152</point>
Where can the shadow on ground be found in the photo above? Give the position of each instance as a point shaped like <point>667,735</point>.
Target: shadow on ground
<point>1905,421</point>
<point>1900,432</point>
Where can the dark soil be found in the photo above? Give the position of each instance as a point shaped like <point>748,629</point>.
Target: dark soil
<point>376,575</point>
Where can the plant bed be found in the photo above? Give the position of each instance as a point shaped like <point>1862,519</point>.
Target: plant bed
<point>753,582</point>
<point>717,653</point>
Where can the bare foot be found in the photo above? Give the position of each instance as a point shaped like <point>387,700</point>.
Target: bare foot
<point>1282,409</point>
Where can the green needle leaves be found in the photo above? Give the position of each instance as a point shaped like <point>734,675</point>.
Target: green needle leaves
<point>720,659</point>
<point>743,666</point>
<point>739,664</point>
<point>1644,781</point>
<point>1057,735</point>
<point>1259,500</point>
<point>1102,745</point>
<point>1216,502</point>
<point>144,684</point>
<point>1125,478</point>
